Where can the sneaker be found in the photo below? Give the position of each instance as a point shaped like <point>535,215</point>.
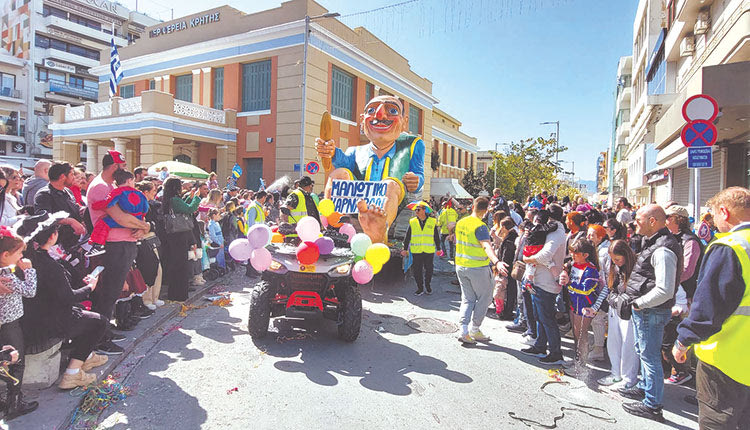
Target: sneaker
<point>418,293</point>
<point>608,380</point>
<point>117,337</point>
<point>95,360</point>
<point>479,336</point>
<point>528,340</point>
<point>142,312</point>
<point>198,280</point>
<point>109,348</point>
<point>80,379</point>
<point>634,393</point>
<point>517,328</point>
<point>466,338</point>
<point>159,303</point>
<point>552,359</point>
<point>95,250</point>
<point>534,352</point>
<point>429,291</point>
<point>640,410</point>
<point>150,306</point>
<point>596,354</point>
<point>679,378</point>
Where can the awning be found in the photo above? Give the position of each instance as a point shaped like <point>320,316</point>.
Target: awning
<point>17,162</point>
<point>448,187</point>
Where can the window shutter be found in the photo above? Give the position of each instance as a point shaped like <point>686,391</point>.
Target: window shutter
<point>342,88</point>
<point>219,88</point>
<point>184,88</point>
<point>414,113</point>
<point>256,86</point>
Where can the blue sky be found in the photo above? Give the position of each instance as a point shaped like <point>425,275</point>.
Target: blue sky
<point>500,66</point>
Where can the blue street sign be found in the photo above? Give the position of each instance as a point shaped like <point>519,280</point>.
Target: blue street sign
<point>296,167</point>
<point>700,157</point>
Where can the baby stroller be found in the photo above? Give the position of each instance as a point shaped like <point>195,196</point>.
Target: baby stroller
<point>217,266</point>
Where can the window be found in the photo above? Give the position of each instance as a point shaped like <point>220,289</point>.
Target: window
<point>85,22</point>
<point>218,91</point>
<point>342,94</point>
<point>369,91</point>
<point>453,156</point>
<point>184,87</point>
<point>58,44</point>
<point>75,81</point>
<point>127,91</point>
<point>152,84</point>
<point>657,76</point>
<point>256,86</point>
<point>671,13</point>
<point>622,116</point>
<point>46,42</point>
<point>8,81</point>
<point>414,117</point>
<point>93,85</point>
<point>42,75</point>
<point>41,41</point>
<point>49,10</point>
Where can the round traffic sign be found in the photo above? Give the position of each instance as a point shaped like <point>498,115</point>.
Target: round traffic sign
<point>698,133</point>
<point>312,167</point>
<point>701,107</point>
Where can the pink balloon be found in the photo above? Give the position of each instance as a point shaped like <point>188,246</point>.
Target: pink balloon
<point>259,236</point>
<point>348,230</point>
<point>260,259</point>
<point>240,249</point>
<point>362,272</point>
<point>325,245</point>
<point>308,229</point>
<point>323,222</point>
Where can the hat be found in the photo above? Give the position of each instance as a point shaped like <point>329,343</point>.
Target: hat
<point>112,157</point>
<point>42,221</point>
<point>305,181</point>
<point>677,210</point>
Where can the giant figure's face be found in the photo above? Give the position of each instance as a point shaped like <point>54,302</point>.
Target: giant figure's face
<point>383,120</point>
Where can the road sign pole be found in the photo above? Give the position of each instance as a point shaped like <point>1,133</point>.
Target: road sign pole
<point>697,196</point>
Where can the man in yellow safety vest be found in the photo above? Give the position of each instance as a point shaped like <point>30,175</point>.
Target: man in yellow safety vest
<point>447,222</point>
<point>718,326</point>
<point>300,202</point>
<point>422,240</point>
<point>474,255</point>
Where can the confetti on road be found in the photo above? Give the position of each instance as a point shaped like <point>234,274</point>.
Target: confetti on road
<point>233,390</point>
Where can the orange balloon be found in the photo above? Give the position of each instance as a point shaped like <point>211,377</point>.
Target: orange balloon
<point>277,238</point>
<point>334,220</point>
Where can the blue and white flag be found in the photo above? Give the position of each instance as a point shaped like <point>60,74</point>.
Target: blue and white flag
<point>115,68</point>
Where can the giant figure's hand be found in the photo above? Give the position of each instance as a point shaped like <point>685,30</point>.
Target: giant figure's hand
<point>325,149</point>
<point>411,181</point>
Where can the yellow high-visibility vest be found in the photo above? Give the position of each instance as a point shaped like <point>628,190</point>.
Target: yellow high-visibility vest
<point>727,349</point>
<point>422,239</point>
<point>446,216</point>
<point>300,210</point>
<point>469,251</point>
<point>260,214</point>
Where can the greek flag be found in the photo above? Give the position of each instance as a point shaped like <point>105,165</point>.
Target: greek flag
<point>115,69</point>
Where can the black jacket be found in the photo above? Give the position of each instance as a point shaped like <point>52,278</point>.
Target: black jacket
<point>52,200</point>
<point>508,248</point>
<point>691,283</point>
<point>643,278</point>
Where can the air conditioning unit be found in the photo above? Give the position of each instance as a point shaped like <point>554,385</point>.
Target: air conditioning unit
<point>702,23</point>
<point>687,46</point>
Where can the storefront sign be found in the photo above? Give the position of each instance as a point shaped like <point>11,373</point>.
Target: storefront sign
<point>102,4</point>
<point>185,24</point>
<point>52,64</point>
<point>63,35</point>
<point>87,11</point>
<point>346,194</point>
<point>19,148</point>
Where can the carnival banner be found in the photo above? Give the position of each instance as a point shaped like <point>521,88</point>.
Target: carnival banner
<point>346,194</point>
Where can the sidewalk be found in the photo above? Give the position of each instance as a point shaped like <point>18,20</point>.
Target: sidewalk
<point>56,406</point>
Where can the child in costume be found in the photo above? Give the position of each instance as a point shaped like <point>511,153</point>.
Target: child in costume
<point>583,290</point>
<point>536,235</point>
<point>125,196</point>
<point>215,235</point>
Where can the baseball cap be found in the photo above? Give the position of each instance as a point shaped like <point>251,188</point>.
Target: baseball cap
<point>305,181</point>
<point>677,210</point>
<point>112,157</point>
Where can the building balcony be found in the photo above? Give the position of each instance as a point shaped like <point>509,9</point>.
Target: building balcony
<point>66,56</point>
<point>63,88</point>
<point>623,99</point>
<point>623,130</point>
<point>75,28</point>
<point>11,95</point>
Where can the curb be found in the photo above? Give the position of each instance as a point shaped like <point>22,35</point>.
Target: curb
<point>113,364</point>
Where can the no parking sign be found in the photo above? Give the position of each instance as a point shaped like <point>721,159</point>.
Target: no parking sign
<point>312,167</point>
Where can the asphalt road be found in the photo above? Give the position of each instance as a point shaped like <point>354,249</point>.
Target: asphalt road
<point>204,371</point>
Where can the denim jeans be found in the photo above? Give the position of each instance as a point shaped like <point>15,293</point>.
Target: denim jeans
<point>528,311</point>
<point>476,295</point>
<point>448,246</point>
<point>649,329</point>
<point>547,331</point>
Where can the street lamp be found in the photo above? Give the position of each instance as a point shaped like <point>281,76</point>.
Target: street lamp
<point>557,142</point>
<point>308,19</point>
<point>494,167</point>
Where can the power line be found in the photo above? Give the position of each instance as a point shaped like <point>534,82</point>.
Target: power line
<point>380,8</point>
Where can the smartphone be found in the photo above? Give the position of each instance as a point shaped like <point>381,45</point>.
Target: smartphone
<point>96,271</point>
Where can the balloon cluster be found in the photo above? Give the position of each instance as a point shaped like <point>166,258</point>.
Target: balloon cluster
<point>253,247</point>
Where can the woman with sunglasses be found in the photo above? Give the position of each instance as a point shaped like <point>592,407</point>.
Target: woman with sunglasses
<point>615,230</point>
<point>8,204</point>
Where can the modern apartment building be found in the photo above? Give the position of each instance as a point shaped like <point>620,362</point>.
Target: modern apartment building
<point>617,162</point>
<point>60,40</point>
<point>222,87</point>
<point>13,111</point>
<point>457,151</point>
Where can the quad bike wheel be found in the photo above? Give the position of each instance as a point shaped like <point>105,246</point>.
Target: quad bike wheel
<point>350,318</point>
<point>211,274</point>
<point>260,310</point>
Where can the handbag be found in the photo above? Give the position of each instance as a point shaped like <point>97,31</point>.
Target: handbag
<point>177,222</point>
<point>519,267</point>
<point>621,303</point>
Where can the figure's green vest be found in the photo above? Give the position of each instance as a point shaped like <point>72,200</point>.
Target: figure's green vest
<point>396,167</point>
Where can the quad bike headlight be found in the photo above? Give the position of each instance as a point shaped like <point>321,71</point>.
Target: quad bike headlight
<point>275,265</point>
<point>343,269</point>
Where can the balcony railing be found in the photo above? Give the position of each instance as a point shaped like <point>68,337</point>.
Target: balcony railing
<point>10,92</point>
<point>193,110</point>
<point>62,87</point>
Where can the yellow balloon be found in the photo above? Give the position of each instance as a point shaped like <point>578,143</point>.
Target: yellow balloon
<point>277,238</point>
<point>377,254</point>
<point>376,268</point>
<point>325,207</point>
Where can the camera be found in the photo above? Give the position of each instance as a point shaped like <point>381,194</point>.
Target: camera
<point>5,355</point>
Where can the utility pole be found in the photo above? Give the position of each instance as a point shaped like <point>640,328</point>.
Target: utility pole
<point>557,146</point>
<point>494,161</point>
<point>308,19</point>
